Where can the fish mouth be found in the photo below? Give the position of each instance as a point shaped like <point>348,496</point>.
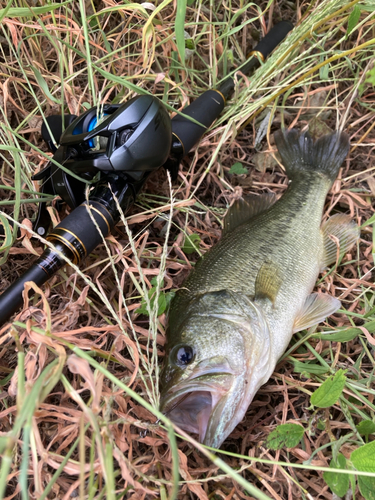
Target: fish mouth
<point>191,404</point>
<point>192,412</point>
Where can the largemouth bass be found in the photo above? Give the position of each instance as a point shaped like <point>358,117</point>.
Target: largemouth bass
<point>237,311</point>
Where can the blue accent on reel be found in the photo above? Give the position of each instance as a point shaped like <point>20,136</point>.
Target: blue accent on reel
<point>78,130</point>
<point>92,124</point>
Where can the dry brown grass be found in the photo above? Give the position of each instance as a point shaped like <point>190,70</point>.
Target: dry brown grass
<point>78,411</point>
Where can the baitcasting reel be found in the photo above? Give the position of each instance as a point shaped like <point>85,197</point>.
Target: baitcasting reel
<point>122,147</point>
<point>132,139</point>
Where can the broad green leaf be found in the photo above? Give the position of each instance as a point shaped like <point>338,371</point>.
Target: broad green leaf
<point>363,458</point>
<point>230,57</point>
<point>191,243</point>
<point>189,44</point>
<point>285,435</point>
<point>367,487</point>
<point>370,78</point>
<point>321,425</point>
<point>338,483</point>
<point>366,427</point>
<point>179,28</point>
<point>330,391</point>
<point>353,19</point>
<point>154,282</point>
<point>238,169</point>
<point>164,300</point>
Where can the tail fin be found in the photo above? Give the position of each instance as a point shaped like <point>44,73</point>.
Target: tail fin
<point>299,153</point>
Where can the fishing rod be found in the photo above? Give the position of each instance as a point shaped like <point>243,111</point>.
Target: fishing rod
<point>122,146</point>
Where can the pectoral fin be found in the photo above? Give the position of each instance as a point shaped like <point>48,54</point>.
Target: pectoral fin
<point>344,230</point>
<point>316,308</point>
<point>268,282</point>
<point>245,209</point>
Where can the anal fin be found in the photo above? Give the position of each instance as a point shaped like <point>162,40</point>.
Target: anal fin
<point>345,230</point>
<point>245,209</point>
<point>315,310</point>
<point>268,282</point>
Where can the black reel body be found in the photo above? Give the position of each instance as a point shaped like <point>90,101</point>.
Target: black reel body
<point>134,137</point>
<point>129,139</point>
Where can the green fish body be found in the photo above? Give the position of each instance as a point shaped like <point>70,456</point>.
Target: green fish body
<point>238,309</point>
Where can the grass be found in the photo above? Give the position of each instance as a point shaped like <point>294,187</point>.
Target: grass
<point>79,366</point>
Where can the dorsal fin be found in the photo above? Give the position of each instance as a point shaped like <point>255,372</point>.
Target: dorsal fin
<point>245,209</point>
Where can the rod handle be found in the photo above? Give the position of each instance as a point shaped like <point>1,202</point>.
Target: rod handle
<point>205,109</point>
<point>11,300</point>
<point>75,237</point>
<point>78,232</point>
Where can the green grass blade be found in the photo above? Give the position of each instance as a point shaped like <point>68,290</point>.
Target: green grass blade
<point>30,12</point>
<point>180,29</point>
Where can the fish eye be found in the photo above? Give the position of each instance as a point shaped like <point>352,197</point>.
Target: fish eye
<point>184,355</point>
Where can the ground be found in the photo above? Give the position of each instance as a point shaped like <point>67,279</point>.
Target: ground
<point>79,363</point>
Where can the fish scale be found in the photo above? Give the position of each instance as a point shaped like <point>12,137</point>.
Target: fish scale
<point>236,313</point>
